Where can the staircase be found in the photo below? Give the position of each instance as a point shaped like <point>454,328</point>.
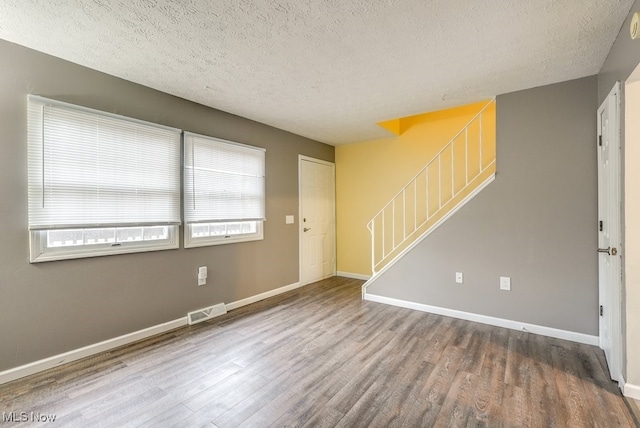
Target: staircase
<point>460,170</point>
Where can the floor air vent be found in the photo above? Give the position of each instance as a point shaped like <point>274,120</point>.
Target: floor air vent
<point>206,313</point>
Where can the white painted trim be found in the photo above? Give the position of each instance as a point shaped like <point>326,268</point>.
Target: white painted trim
<point>428,232</point>
<point>243,302</point>
<point>353,275</point>
<point>96,348</point>
<point>76,354</point>
<point>302,158</point>
<point>39,254</point>
<point>631,391</point>
<point>210,241</point>
<point>331,275</point>
<point>484,319</point>
<point>320,161</point>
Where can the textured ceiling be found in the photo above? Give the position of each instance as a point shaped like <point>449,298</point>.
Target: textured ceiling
<point>326,69</point>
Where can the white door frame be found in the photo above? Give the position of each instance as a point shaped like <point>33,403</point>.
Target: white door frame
<point>302,158</point>
<point>613,310</point>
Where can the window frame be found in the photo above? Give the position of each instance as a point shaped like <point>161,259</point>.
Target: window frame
<point>193,242</point>
<point>42,252</point>
<point>39,248</point>
<point>189,241</point>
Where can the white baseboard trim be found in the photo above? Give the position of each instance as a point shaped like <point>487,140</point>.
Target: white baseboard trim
<point>322,278</point>
<point>354,275</point>
<point>96,348</point>
<point>430,230</point>
<point>630,390</point>
<point>484,319</point>
<point>76,354</point>
<point>240,303</point>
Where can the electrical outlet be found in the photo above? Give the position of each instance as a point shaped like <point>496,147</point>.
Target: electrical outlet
<point>505,283</point>
<point>459,277</point>
<point>202,275</point>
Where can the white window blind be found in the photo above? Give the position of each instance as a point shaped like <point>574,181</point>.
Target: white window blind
<point>223,181</point>
<point>93,169</point>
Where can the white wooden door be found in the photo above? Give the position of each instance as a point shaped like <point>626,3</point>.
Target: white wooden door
<point>317,220</point>
<point>609,231</point>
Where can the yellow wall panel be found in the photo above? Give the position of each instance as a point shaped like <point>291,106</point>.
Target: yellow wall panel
<point>369,174</point>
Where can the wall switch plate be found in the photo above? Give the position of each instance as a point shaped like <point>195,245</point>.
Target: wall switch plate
<point>505,283</point>
<point>202,275</point>
<point>289,219</point>
<point>459,277</point>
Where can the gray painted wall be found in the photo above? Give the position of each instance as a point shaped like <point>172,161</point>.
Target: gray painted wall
<point>50,308</point>
<point>535,223</point>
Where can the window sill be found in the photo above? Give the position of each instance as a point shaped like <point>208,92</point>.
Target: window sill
<point>207,242</point>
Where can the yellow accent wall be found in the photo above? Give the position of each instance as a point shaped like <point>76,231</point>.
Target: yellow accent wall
<point>370,173</point>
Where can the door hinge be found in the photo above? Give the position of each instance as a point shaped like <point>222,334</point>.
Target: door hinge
<point>600,225</point>
<point>601,310</point>
<point>600,140</point>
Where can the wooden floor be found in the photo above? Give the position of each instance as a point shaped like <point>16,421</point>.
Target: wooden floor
<point>319,356</point>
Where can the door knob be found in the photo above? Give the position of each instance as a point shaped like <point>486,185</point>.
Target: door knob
<point>609,250</point>
<point>306,228</point>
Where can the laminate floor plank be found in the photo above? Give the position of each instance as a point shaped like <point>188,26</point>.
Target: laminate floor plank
<point>319,356</point>
<point>476,348</point>
<point>329,418</point>
<point>149,411</point>
<point>121,408</point>
<point>487,399</point>
<point>404,397</point>
<point>517,370</point>
<point>173,416</point>
<point>569,387</point>
<point>370,366</point>
<point>541,390</point>
<point>599,391</point>
<point>515,411</point>
<point>305,405</point>
<point>228,392</point>
<point>278,401</point>
<point>270,397</point>
<point>457,407</point>
<point>440,338</point>
<point>379,406</point>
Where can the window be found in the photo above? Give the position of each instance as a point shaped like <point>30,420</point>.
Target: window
<point>99,183</point>
<point>223,191</point>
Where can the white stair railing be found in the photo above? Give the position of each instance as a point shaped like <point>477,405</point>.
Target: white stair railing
<point>449,174</point>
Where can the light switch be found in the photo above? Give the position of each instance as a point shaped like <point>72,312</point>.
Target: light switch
<point>289,219</point>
